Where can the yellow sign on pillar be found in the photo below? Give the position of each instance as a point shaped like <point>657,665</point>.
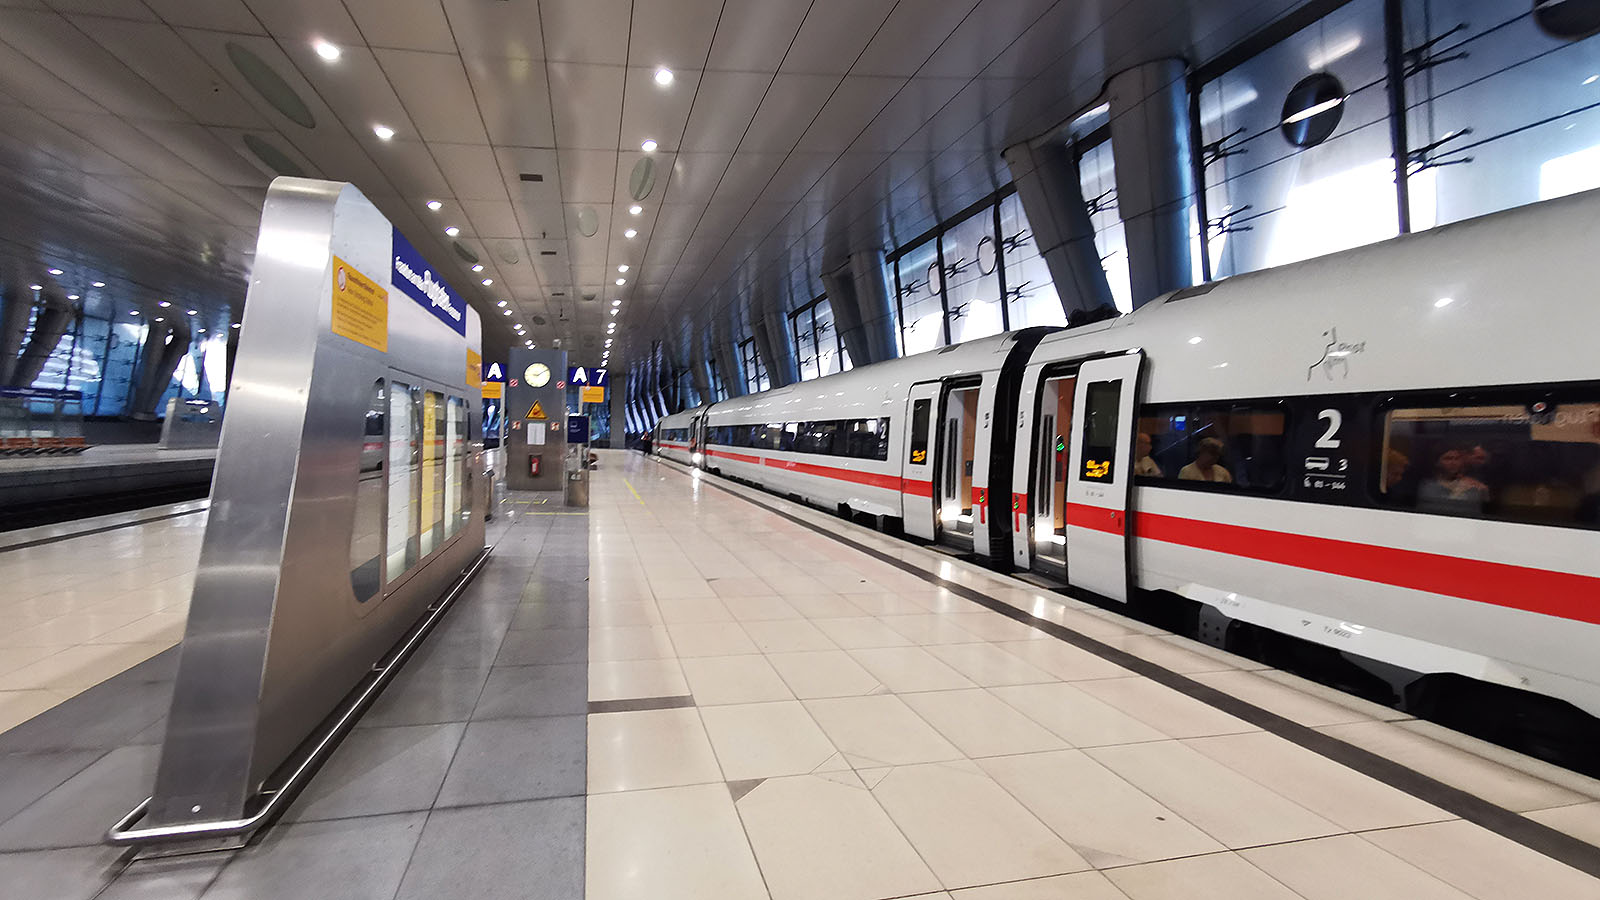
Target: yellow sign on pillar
<point>591,394</point>
<point>493,390</point>
<point>536,411</point>
<point>360,307</point>
<point>474,368</point>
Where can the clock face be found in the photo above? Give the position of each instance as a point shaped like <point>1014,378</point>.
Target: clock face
<point>538,375</point>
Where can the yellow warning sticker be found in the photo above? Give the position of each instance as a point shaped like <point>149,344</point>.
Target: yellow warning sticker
<point>493,390</point>
<point>536,411</point>
<point>474,368</point>
<point>360,307</point>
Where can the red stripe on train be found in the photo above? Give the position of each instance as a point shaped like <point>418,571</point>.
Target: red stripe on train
<point>871,479</point>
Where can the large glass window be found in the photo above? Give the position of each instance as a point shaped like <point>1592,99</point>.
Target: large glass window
<point>366,532</point>
<point>755,374</point>
<point>972,278</point>
<point>1097,178</point>
<point>405,458</point>
<point>921,290</point>
<point>818,348</point>
<point>433,435</point>
<point>1030,293</point>
<point>456,504</point>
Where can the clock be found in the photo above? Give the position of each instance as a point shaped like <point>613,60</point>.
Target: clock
<point>538,375</point>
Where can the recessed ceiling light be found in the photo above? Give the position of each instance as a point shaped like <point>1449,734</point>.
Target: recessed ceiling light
<point>649,146</point>
<point>1442,302</point>
<point>609,340</point>
<point>235,325</point>
<point>72,296</point>
<point>488,281</point>
<point>164,304</point>
<point>435,205</point>
<point>99,284</point>
<point>663,76</point>
<point>630,234</point>
<point>56,272</point>
<point>622,268</point>
<point>200,330</point>
<point>1195,340</point>
<point>614,311</point>
<point>35,287</point>
<point>616,303</point>
<point>133,312</point>
<point>161,318</point>
<point>529,343</point>
<point>635,209</point>
<point>478,267</point>
<point>194,312</point>
<point>452,231</point>
<point>621,282</point>
<point>326,50</point>
<point>507,312</point>
<point>502,304</point>
<point>383,132</point>
<point>1591,79</point>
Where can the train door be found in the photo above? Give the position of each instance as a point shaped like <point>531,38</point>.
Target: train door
<point>1099,473</point>
<point>956,463</point>
<point>697,440</point>
<point>916,467</point>
<point>1048,490</point>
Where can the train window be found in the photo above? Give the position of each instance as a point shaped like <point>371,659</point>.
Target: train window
<point>1238,445</point>
<point>788,437</point>
<point>404,458</point>
<point>366,534</point>
<point>455,481</point>
<point>1101,400</point>
<point>866,439</point>
<point>919,432</point>
<point>1536,462</point>
<point>816,437</point>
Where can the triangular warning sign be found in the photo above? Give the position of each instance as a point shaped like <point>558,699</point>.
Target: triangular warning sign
<point>536,411</point>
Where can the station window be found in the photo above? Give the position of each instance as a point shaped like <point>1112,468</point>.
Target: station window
<point>1515,458</point>
<point>1241,446</point>
<point>1097,178</point>
<point>366,532</point>
<point>755,374</point>
<point>433,442</point>
<point>920,286</point>
<point>457,506</point>
<point>972,277</point>
<point>404,464</point>
<point>1030,293</point>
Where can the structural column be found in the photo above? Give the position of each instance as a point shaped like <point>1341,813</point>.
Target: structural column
<point>728,363</point>
<point>15,304</point>
<point>1155,186</point>
<point>164,346</point>
<point>56,314</point>
<point>1046,176</point>
<point>776,346</point>
<point>863,311</point>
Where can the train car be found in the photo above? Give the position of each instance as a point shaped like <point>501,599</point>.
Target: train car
<point>1393,452</point>
<point>1390,453</point>
<point>862,442</point>
<point>677,437</point>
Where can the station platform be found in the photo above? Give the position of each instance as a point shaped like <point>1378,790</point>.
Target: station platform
<point>37,489</point>
<point>695,690</point>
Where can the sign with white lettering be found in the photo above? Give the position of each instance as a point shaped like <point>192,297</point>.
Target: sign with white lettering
<point>583,376</point>
<point>415,278</point>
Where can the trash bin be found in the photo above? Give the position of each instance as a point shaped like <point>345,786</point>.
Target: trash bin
<point>575,486</point>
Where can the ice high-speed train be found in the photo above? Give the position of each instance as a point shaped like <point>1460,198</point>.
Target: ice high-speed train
<point>1393,452</point>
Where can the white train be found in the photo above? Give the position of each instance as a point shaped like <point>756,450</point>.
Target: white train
<point>1393,452</point>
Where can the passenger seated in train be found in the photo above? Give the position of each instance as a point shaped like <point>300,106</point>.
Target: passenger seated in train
<point>1143,464</point>
<point>1451,489</point>
<point>1206,465</point>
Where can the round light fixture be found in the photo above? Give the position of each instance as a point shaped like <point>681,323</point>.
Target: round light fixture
<point>621,282</point>
<point>502,304</point>
<point>194,312</point>
<point>663,76</point>
<point>56,272</point>
<point>326,50</point>
<point>630,234</point>
<point>164,304</point>
<point>488,281</point>
<point>635,209</point>
<point>72,296</point>
<point>99,284</point>
<point>235,325</point>
<point>40,287</point>
<point>435,205</point>
<point>160,318</point>
<point>506,312</point>
<point>622,268</point>
<point>649,146</point>
<point>452,231</point>
<point>616,303</point>
<point>477,267</point>
<point>383,132</point>
<point>133,312</point>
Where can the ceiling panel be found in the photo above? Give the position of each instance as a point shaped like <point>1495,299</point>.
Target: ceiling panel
<point>52,42</point>
<point>307,20</point>
<point>411,169</point>
<point>911,34</point>
<point>406,24</point>
<point>216,15</point>
<point>495,29</point>
<point>676,35</point>
<point>722,109</point>
<point>983,35</point>
<point>694,176</point>
<point>787,110</point>
<point>587,104</point>
<point>492,219</point>
<point>834,34</point>
<point>31,83</point>
<point>162,59</point>
<point>848,112</point>
<point>753,35</point>
<point>586,31</point>
<point>514,98</point>
<point>434,89</point>
<point>650,111</point>
<point>587,175</point>
<point>470,170</point>
<point>355,88</point>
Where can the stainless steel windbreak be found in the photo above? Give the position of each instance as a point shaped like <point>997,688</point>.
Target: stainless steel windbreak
<point>347,498</point>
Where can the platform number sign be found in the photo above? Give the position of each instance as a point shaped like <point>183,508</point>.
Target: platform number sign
<point>1326,458</point>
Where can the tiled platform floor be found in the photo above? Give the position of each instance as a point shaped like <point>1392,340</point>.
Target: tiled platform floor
<point>845,730</point>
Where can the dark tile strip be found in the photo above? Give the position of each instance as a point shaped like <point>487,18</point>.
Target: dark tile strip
<point>639,704</point>
<point>1536,836</point>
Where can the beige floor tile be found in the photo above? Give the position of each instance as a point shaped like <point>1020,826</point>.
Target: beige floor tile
<point>1076,717</point>
<point>743,586</point>
<point>710,639</point>
<point>1484,864</point>
<point>992,626</point>
<point>693,610</point>
<point>824,673</point>
<point>1489,779</point>
<point>823,605</point>
<point>620,614</point>
<point>632,751</point>
<point>1342,795</point>
<point>630,642</point>
<point>860,633</point>
<point>1105,819</point>
<point>1218,876</point>
<point>79,667</point>
<point>69,629</point>
<point>1163,708</point>
<point>1344,867</point>
<point>848,583</point>
<point>889,604</point>
<point>1226,805</point>
<point>880,730</point>
<point>969,829</point>
<point>1063,660</point>
<point>1078,886</point>
<point>930,628</point>
<point>734,679</point>
<point>683,843</point>
<point>760,609</point>
<point>159,628</point>
<point>1272,696</point>
<point>14,658</point>
<point>1581,820</point>
<point>816,839</point>
<point>680,588</point>
<point>634,678</point>
<point>980,724</point>
<point>787,636</point>
<point>908,669</point>
<point>765,740</point>
<point>1170,656</point>
<point>17,707</point>
<point>988,665</point>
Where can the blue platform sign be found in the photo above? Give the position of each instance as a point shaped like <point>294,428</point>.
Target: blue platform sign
<point>577,429</point>
<point>494,372</point>
<point>584,376</point>
<point>414,277</point>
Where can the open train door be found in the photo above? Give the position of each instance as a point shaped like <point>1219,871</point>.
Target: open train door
<point>916,466</point>
<point>697,438</point>
<point>1100,471</point>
